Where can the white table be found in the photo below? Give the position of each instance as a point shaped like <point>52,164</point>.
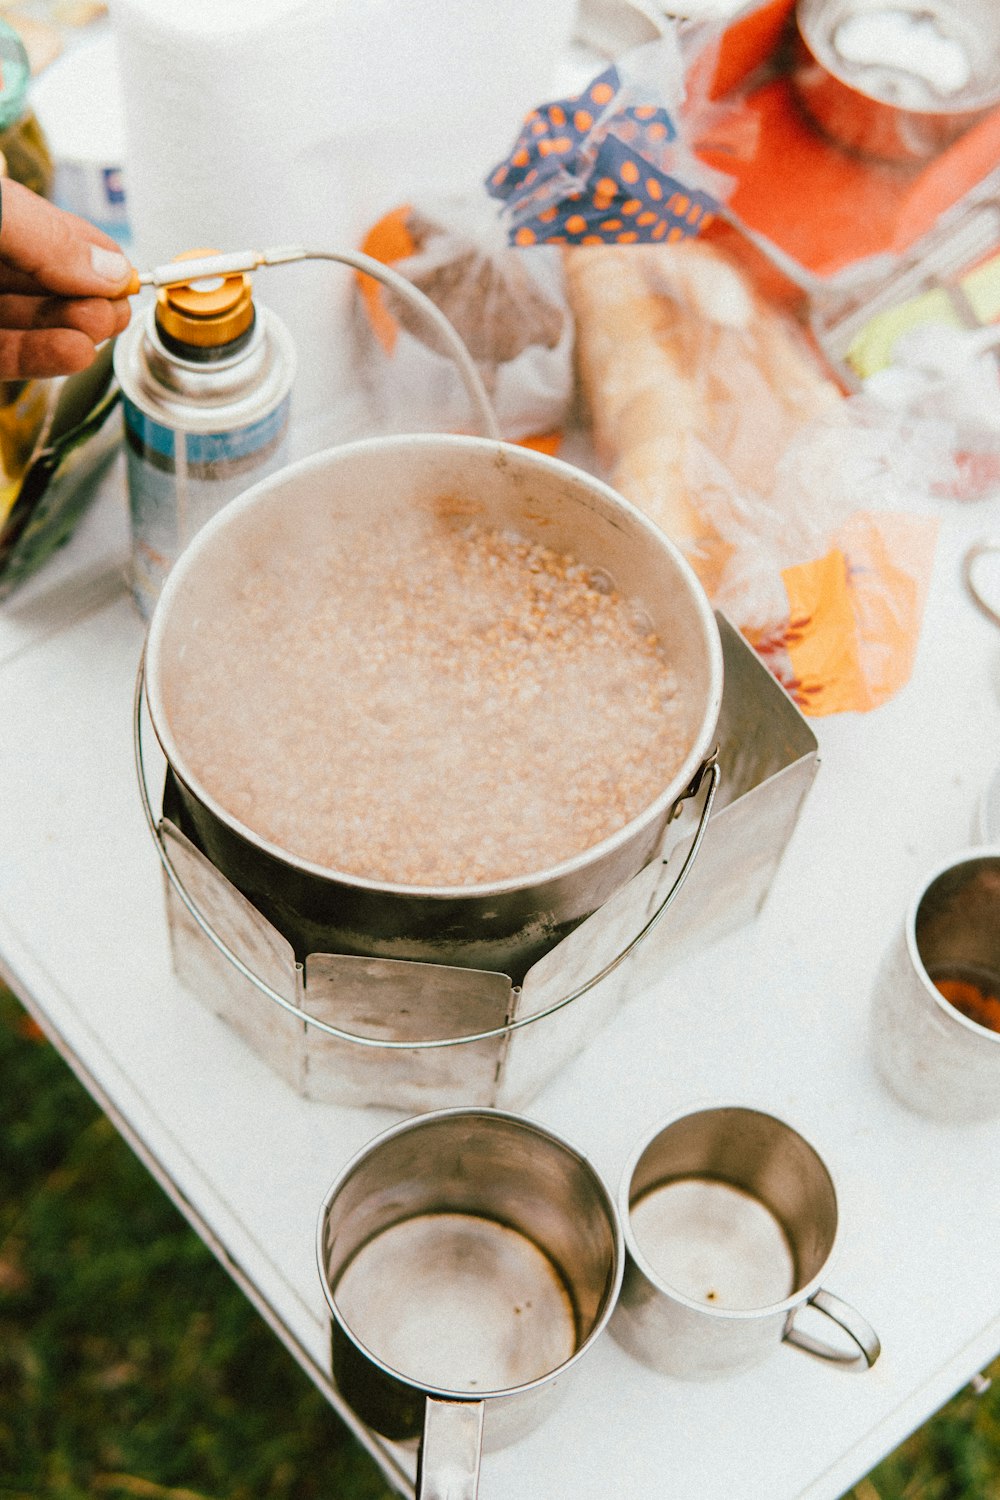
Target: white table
<point>773,1015</point>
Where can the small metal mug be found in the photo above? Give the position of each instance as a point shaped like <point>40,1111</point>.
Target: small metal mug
<point>730,1218</point>
<point>935,1059</point>
<point>469,1258</point>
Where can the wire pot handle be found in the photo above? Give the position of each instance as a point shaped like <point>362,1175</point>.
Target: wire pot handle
<point>708,772</point>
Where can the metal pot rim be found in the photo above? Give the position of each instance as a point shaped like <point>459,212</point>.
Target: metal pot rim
<point>258,494</point>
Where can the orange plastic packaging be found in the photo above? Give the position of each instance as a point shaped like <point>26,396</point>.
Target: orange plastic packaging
<point>816,202</point>
<point>853,616</point>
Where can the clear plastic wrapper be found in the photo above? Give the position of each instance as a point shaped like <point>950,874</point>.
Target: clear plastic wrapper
<point>615,163</point>
<point>951,377</point>
<point>798,507</point>
<point>508,306</point>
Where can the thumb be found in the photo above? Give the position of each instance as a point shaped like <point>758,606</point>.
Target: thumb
<point>56,250</point>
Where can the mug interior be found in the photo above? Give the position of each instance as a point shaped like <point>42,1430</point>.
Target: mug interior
<point>955,929</point>
<point>470,1253</point>
<point>731,1208</point>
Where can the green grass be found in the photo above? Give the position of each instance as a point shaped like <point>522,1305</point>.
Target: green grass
<point>131,1366</point>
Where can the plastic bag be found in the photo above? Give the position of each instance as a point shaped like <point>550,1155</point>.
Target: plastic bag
<point>793,503</point>
<point>950,376</point>
<point>614,163</point>
<point>826,574</point>
<point>508,306</point>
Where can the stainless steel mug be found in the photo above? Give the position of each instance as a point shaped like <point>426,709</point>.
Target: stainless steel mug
<point>730,1219</point>
<point>469,1258</point>
<point>939,1059</point>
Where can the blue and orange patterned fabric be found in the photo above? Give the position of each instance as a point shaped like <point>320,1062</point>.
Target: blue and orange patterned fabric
<point>597,169</point>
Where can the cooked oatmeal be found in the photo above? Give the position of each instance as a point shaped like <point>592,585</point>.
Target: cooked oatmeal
<point>459,707</point>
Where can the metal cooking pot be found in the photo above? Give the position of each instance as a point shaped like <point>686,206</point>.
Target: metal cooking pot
<point>506,925</point>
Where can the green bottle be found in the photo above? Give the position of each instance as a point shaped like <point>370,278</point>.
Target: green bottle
<point>25,149</point>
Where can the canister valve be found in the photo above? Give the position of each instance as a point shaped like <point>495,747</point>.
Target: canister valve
<point>200,265</point>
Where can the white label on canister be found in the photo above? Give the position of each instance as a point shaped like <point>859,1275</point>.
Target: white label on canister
<point>177,481</point>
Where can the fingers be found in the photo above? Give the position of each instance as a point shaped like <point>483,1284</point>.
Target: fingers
<point>38,353</point>
<point>46,336</point>
<point>98,318</point>
<point>21,282</point>
<point>55,251</point>
<point>44,250</point>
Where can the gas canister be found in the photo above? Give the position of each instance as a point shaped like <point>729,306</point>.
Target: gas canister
<point>206,378</point>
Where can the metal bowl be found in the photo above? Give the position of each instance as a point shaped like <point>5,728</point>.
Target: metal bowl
<point>896,80</point>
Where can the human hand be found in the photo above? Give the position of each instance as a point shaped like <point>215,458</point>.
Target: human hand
<point>62,287</point>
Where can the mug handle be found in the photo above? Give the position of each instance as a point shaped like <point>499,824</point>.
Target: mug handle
<point>450,1450</point>
<point>984,548</point>
<point>845,1317</point>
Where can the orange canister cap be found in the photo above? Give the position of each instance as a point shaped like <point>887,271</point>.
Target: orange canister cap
<point>206,313</point>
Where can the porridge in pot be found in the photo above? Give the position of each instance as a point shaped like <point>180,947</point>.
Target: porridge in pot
<point>446,705</point>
